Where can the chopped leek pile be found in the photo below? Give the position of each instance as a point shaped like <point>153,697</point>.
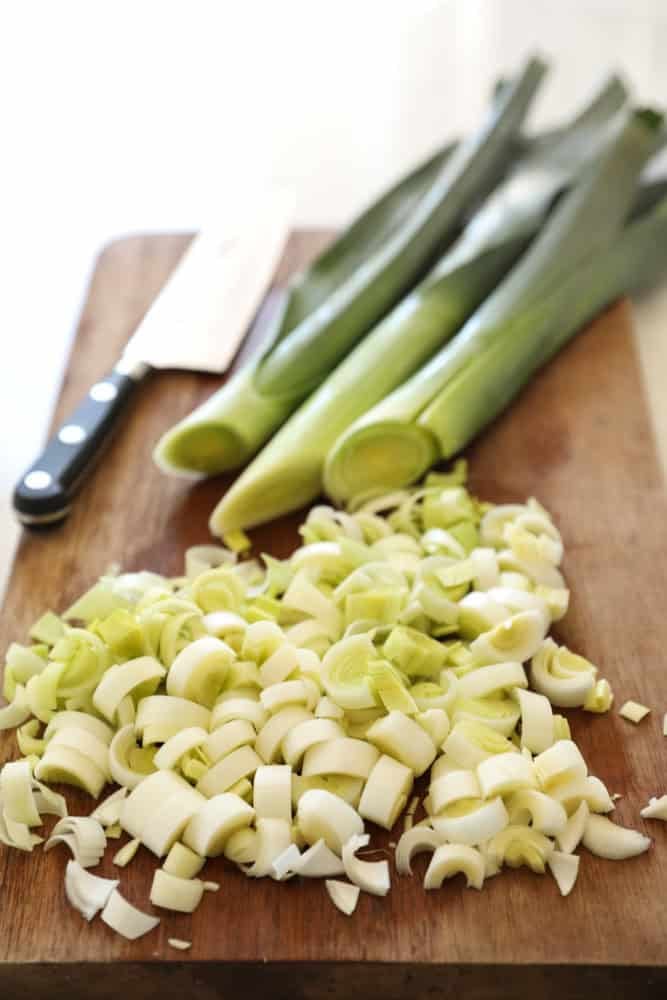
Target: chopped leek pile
<point>276,711</point>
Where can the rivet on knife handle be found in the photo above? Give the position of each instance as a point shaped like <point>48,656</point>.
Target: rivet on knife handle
<point>44,494</point>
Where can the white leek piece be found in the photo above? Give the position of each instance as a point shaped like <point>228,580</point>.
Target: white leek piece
<point>371,876</point>
<point>453,787</point>
<point>537,724</point>
<point>600,698</point>
<point>173,893</point>
<point>286,864</point>
<point>238,708</point>
<point>147,797</point>
<point>562,760</point>
<point>343,895</point>
<point>278,667</point>
<point>345,755</point>
<point>274,836</point>
<point>319,861</point>
<point>17,793</point>
<point>272,792</point>
<point>125,919</point>
<point>214,822</point>
<point>183,862</point>
<point>328,709</point>
<point>161,716</point>
<point>386,792</point>
<point>304,596</point>
<point>564,868</point>
<point>521,845</point>
<point>495,712</point>
<point>453,859</point>
<point>415,841</point>
<point>108,812</point>
<point>123,745</point>
<point>85,744</point>
<point>504,773</point>
<point>492,679</point>
<point>570,837</point>
<point>571,791</point>
<point>529,806</point>
<point>343,787</point>
<point>323,816</point>
<point>516,638</point>
<point>121,680</point>
<point>48,801</point>
<point>199,670</point>
<point>226,738</point>
<point>165,826</point>
<point>471,821</point>
<point>305,735</point>
<point>273,732</point>
<point>633,711</point>
<point>65,764</point>
<point>84,837</point>
<point>126,853</point>
<point>564,677</point>
<point>179,944</point>
<point>656,808</point>
<point>87,893</point>
<point>79,720</point>
<point>241,847</point>
<point>297,692</point>
<point>178,745</point>
<point>239,764</point>
<point>199,558</point>
<point>469,743</point>
<point>345,672</point>
<point>17,711</point>
<point>616,843</point>
<point>401,737</point>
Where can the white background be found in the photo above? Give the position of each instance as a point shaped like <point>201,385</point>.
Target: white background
<point>146,115</point>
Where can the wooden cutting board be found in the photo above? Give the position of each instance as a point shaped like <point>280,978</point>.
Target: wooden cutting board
<point>580,440</point>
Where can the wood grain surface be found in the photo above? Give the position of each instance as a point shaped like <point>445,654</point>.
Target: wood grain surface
<point>580,440</point>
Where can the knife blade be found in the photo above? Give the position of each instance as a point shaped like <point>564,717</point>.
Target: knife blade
<point>196,323</point>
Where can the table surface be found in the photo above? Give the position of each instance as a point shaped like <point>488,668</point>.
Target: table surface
<point>613,516</point>
<point>110,138</point>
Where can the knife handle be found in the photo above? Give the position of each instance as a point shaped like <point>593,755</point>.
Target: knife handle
<point>44,493</point>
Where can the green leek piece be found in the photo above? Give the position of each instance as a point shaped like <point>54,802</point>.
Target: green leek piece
<point>416,654</point>
<point>346,291</point>
<point>580,262</point>
<point>288,472</point>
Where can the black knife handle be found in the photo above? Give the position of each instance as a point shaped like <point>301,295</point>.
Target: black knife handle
<point>44,493</point>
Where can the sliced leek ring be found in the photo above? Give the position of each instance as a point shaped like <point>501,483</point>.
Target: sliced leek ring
<point>354,758</point>
<point>453,859</point>
<point>371,876</point>
<point>415,841</point>
<point>471,821</point>
<point>211,826</point>
<point>386,792</point>
<point>323,816</point>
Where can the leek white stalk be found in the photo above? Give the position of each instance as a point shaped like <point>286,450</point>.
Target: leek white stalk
<point>564,677</point>
<point>87,893</point>
<point>240,763</point>
<point>401,737</point>
<point>173,893</point>
<point>386,792</point>
<point>471,821</point>
<point>272,733</point>
<point>323,816</point>
<point>126,919</point>
<point>183,861</point>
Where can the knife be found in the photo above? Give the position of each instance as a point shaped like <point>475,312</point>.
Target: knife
<point>196,323</point>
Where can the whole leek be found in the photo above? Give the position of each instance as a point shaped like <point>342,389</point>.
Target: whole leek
<point>363,275</point>
<point>288,471</point>
<point>580,262</point>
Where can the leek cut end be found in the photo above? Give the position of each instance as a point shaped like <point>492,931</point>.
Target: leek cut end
<point>205,448</point>
<point>252,500</point>
<point>377,458</point>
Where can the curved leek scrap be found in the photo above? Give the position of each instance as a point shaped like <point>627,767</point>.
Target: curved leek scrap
<point>182,861</point>
<point>616,843</point>
<point>125,919</point>
<point>274,836</point>
<point>84,837</point>
<point>173,893</point>
<point>505,773</point>
<point>386,792</point>
<point>343,895</point>
<point>570,836</point>
<point>564,868</point>
<point>355,283</point>
<point>453,859</point>
<point>656,808</point>
<point>108,812</point>
<point>471,821</point>
<point>87,893</point>
<point>544,300</point>
<point>16,789</point>
<point>371,876</point>
<point>520,845</point>
<point>126,853</point>
<point>179,944</point>
<point>214,822</point>
<point>415,841</point>
<point>319,861</point>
